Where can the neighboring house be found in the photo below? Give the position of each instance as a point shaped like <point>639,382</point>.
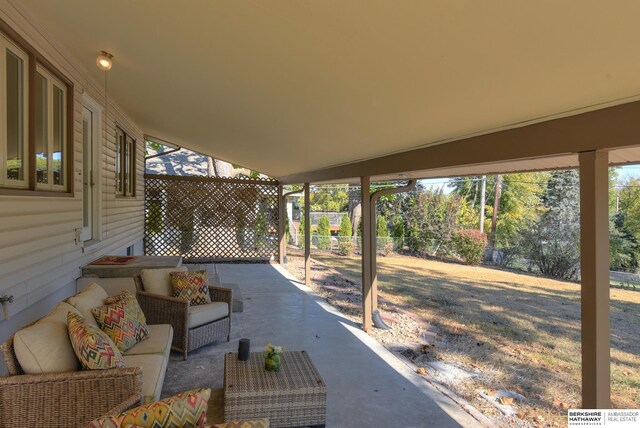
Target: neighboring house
<point>74,193</point>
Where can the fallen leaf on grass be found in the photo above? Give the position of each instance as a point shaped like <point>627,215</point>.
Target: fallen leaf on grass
<point>559,403</point>
<point>507,401</point>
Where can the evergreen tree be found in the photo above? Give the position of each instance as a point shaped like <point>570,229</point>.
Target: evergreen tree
<point>382,232</point>
<point>398,233</point>
<point>553,241</point>
<point>260,229</point>
<point>623,246</point>
<point>301,231</point>
<point>345,245</point>
<point>345,227</point>
<point>324,233</point>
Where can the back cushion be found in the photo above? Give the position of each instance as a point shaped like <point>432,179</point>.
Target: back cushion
<point>45,346</point>
<point>91,297</point>
<point>158,281</point>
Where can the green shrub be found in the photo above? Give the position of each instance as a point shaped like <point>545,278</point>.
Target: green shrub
<point>469,244</point>
<point>324,233</point>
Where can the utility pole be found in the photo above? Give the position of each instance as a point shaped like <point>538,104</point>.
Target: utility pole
<point>482,201</point>
<point>494,219</point>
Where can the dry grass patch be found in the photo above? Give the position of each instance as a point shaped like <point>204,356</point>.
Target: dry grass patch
<point>522,331</point>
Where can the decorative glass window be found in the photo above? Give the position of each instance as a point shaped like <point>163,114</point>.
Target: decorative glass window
<point>50,131</point>
<point>125,164</point>
<point>14,152</point>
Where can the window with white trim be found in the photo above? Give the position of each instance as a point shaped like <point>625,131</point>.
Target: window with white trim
<point>50,131</point>
<point>125,164</point>
<point>14,148</point>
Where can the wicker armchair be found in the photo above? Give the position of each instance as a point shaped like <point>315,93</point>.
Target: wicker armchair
<point>160,309</point>
<point>68,399</point>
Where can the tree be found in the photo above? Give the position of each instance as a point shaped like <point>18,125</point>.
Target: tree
<point>623,246</point>
<point>553,241</point>
<point>382,232</point>
<point>333,198</point>
<point>301,231</point>
<point>431,219</point>
<point>345,244</point>
<point>398,233</point>
<point>324,233</point>
<point>260,229</point>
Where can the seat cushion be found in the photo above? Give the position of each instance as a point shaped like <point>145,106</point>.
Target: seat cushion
<point>157,281</point>
<point>92,296</point>
<point>92,346</point>
<point>186,409</point>
<point>158,342</point>
<point>203,314</point>
<point>153,367</point>
<point>254,423</point>
<point>192,286</point>
<point>122,320</point>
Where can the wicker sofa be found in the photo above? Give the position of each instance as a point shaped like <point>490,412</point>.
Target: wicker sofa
<point>193,326</point>
<point>53,396</point>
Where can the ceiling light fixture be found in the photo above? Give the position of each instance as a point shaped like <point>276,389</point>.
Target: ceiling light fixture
<point>104,62</point>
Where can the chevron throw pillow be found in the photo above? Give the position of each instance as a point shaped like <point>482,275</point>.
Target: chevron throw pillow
<point>192,286</point>
<point>93,347</point>
<point>187,409</point>
<point>133,302</point>
<point>122,320</point>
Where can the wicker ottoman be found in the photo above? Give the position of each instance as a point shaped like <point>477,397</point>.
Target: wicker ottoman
<point>294,396</point>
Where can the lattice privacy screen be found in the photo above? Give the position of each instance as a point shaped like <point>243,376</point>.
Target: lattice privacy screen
<point>211,219</point>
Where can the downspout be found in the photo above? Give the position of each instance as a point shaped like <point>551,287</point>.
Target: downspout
<point>282,224</point>
<point>373,198</point>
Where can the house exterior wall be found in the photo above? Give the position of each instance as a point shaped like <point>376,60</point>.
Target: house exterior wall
<point>39,255</point>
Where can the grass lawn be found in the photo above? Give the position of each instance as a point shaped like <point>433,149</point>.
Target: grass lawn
<point>522,331</point>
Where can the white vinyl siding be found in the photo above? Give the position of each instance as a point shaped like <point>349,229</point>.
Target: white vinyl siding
<point>39,253</point>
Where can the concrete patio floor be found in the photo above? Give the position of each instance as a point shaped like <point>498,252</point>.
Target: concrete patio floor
<point>367,385</point>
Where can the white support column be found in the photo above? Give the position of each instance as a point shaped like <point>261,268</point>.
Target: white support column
<point>594,272</point>
<point>367,248</point>
<point>307,235</point>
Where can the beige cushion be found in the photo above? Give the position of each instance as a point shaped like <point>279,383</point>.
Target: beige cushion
<point>158,281</point>
<point>153,369</point>
<point>158,342</point>
<point>92,296</point>
<point>202,314</point>
<point>45,348</point>
<point>59,313</point>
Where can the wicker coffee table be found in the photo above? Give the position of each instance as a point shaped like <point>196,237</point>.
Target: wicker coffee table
<point>294,396</point>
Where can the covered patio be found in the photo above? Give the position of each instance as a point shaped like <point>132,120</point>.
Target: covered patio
<point>367,384</point>
<point>307,93</point>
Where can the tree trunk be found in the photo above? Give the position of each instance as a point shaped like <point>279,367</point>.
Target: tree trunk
<point>483,197</point>
<point>494,220</point>
<point>355,208</point>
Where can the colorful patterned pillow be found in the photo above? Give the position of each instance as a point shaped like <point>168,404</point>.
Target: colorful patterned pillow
<point>192,286</point>
<point>92,346</point>
<point>187,409</point>
<point>122,320</point>
<point>133,302</point>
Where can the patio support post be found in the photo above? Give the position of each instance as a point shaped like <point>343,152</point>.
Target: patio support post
<point>307,235</point>
<point>367,248</point>
<point>594,273</point>
<point>374,238</point>
<point>281,225</point>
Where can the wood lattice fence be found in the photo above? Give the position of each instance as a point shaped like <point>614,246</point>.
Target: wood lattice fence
<point>207,219</point>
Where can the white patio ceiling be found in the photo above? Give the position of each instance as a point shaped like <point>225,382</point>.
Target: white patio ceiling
<point>285,87</point>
